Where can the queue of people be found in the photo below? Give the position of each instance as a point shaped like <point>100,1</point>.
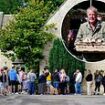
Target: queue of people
<point>17,81</point>
<point>55,83</point>
<point>97,79</point>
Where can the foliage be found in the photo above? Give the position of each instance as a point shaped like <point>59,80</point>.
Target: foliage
<point>54,4</point>
<point>9,6</point>
<point>59,58</point>
<point>25,35</point>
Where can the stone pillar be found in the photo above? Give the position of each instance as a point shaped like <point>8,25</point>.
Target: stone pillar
<point>4,61</point>
<point>46,51</point>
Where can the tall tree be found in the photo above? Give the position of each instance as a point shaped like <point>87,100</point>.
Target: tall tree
<point>54,4</point>
<point>25,35</point>
<point>12,6</point>
<point>9,6</point>
<point>59,58</point>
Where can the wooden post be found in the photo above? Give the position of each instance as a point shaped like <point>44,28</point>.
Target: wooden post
<point>91,3</point>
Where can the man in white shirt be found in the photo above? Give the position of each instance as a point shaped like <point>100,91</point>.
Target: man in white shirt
<point>78,80</point>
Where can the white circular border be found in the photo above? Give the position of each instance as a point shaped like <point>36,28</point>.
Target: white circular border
<point>72,4</point>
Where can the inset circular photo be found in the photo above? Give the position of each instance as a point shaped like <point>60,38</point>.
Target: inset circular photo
<point>83,31</point>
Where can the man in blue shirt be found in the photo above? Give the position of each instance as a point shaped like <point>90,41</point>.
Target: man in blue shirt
<point>12,74</point>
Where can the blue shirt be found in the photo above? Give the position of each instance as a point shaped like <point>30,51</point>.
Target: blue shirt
<point>12,75</point>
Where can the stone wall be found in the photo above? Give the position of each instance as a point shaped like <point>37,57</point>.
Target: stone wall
<point>44,62</point>
<point>4,61</point>
<point>4,19</point>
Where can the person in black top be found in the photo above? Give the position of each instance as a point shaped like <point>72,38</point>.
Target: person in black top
<point>3,79</point>
<point>42,84</point>
<point>89,81</point>
<point>56,81</point>
<point>103,82</point>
